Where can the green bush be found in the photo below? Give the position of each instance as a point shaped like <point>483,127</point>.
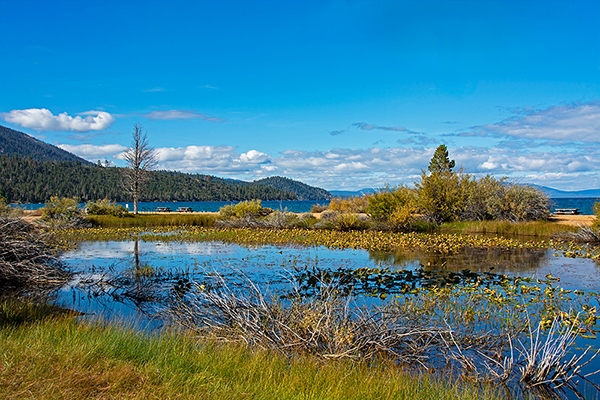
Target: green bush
<point>446,195</point>
<point>105,207</point>
<point>396,208</point>
<point>244,210</point>
<point>63,208</point>
<point>63,213</point>
<point>443,195</point>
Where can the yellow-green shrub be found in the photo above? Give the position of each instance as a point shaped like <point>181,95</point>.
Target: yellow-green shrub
<point>355,204</point>
<point>243,209</point>
<point>105,207</point>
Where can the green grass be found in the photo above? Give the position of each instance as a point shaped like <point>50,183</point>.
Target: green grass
<point>152,220</point>
<point>58,357</point>
<point>541,229</point>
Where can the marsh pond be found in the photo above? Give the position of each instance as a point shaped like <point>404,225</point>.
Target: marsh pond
<point>434,302</point>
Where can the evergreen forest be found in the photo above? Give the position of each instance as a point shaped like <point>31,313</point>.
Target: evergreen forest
<point>25,180</point>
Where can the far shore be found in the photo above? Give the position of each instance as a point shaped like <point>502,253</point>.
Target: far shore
<point>571,220</point>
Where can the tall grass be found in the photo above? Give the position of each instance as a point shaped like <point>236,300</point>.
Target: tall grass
<point>542,229</point>
<point>152,220</point>
<point>59,357</point>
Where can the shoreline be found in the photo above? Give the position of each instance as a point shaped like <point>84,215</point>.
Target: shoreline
<point>570,220</point>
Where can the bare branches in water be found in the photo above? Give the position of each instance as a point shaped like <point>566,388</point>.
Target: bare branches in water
<point>333,326</point>
<point>26,256</point>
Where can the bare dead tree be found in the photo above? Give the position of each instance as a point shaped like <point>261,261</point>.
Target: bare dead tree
<point>141,159</point>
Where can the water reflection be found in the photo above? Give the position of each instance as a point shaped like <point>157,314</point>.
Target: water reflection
<point>127,279</point>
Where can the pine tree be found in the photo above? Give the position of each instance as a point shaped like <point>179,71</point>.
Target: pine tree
<point>440,162</point>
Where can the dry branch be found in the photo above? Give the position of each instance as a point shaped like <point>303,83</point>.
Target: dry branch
<point>25,255</point>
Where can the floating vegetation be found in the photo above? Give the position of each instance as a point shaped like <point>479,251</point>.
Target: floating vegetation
<point>483,300</point>
<point>434,243</point>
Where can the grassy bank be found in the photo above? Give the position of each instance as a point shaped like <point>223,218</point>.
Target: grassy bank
<point>151,220</point>
<point>49,356</point>
<point>540,229</point>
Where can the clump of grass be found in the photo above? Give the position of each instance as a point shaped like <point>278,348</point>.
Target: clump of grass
<point>61,358</point>
<point>151,220</point>
<point>16,312</point>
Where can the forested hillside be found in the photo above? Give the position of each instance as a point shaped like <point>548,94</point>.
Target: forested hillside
<point>17,143</point>
<point>29,181</point>
<point>302,190</point>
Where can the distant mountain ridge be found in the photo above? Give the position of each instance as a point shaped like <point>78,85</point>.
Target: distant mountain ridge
<point>15,143</point>
<point>558,194</point>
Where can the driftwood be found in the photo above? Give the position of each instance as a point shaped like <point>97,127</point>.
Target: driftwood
<point>26,256</point>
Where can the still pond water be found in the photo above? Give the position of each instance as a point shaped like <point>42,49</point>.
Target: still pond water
<point>106,284</point>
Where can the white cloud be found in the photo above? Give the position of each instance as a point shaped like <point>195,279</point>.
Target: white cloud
<point>254,157</point>
<point>42,119</point>
<point>179,114</point>
<point>574,122</point>
<point>94,152</point>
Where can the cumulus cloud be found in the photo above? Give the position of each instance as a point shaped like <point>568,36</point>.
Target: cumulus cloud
<point>254,157</point>
<point>42,119</point>
<point>179,114</point>
<point>94,152</point>
<point>573,122</point>
<point>211,159</point>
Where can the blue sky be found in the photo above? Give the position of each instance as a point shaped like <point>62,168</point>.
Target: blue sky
<point>338,94</point>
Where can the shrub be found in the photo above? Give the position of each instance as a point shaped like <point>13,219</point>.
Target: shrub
<point>349,222</point>
<point>243,209</point>
<point>105,207</point>
<point>526,203</point>
<point>305,221</point>
<point>396,208</point>
<point>63,213</point>
<point>279,220</point>
<point>442,195</point>
<point>318,208</point>
<point>356,204</point>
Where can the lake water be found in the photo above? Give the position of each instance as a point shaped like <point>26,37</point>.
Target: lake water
<point>584,204</point>
<point>106,283</point>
